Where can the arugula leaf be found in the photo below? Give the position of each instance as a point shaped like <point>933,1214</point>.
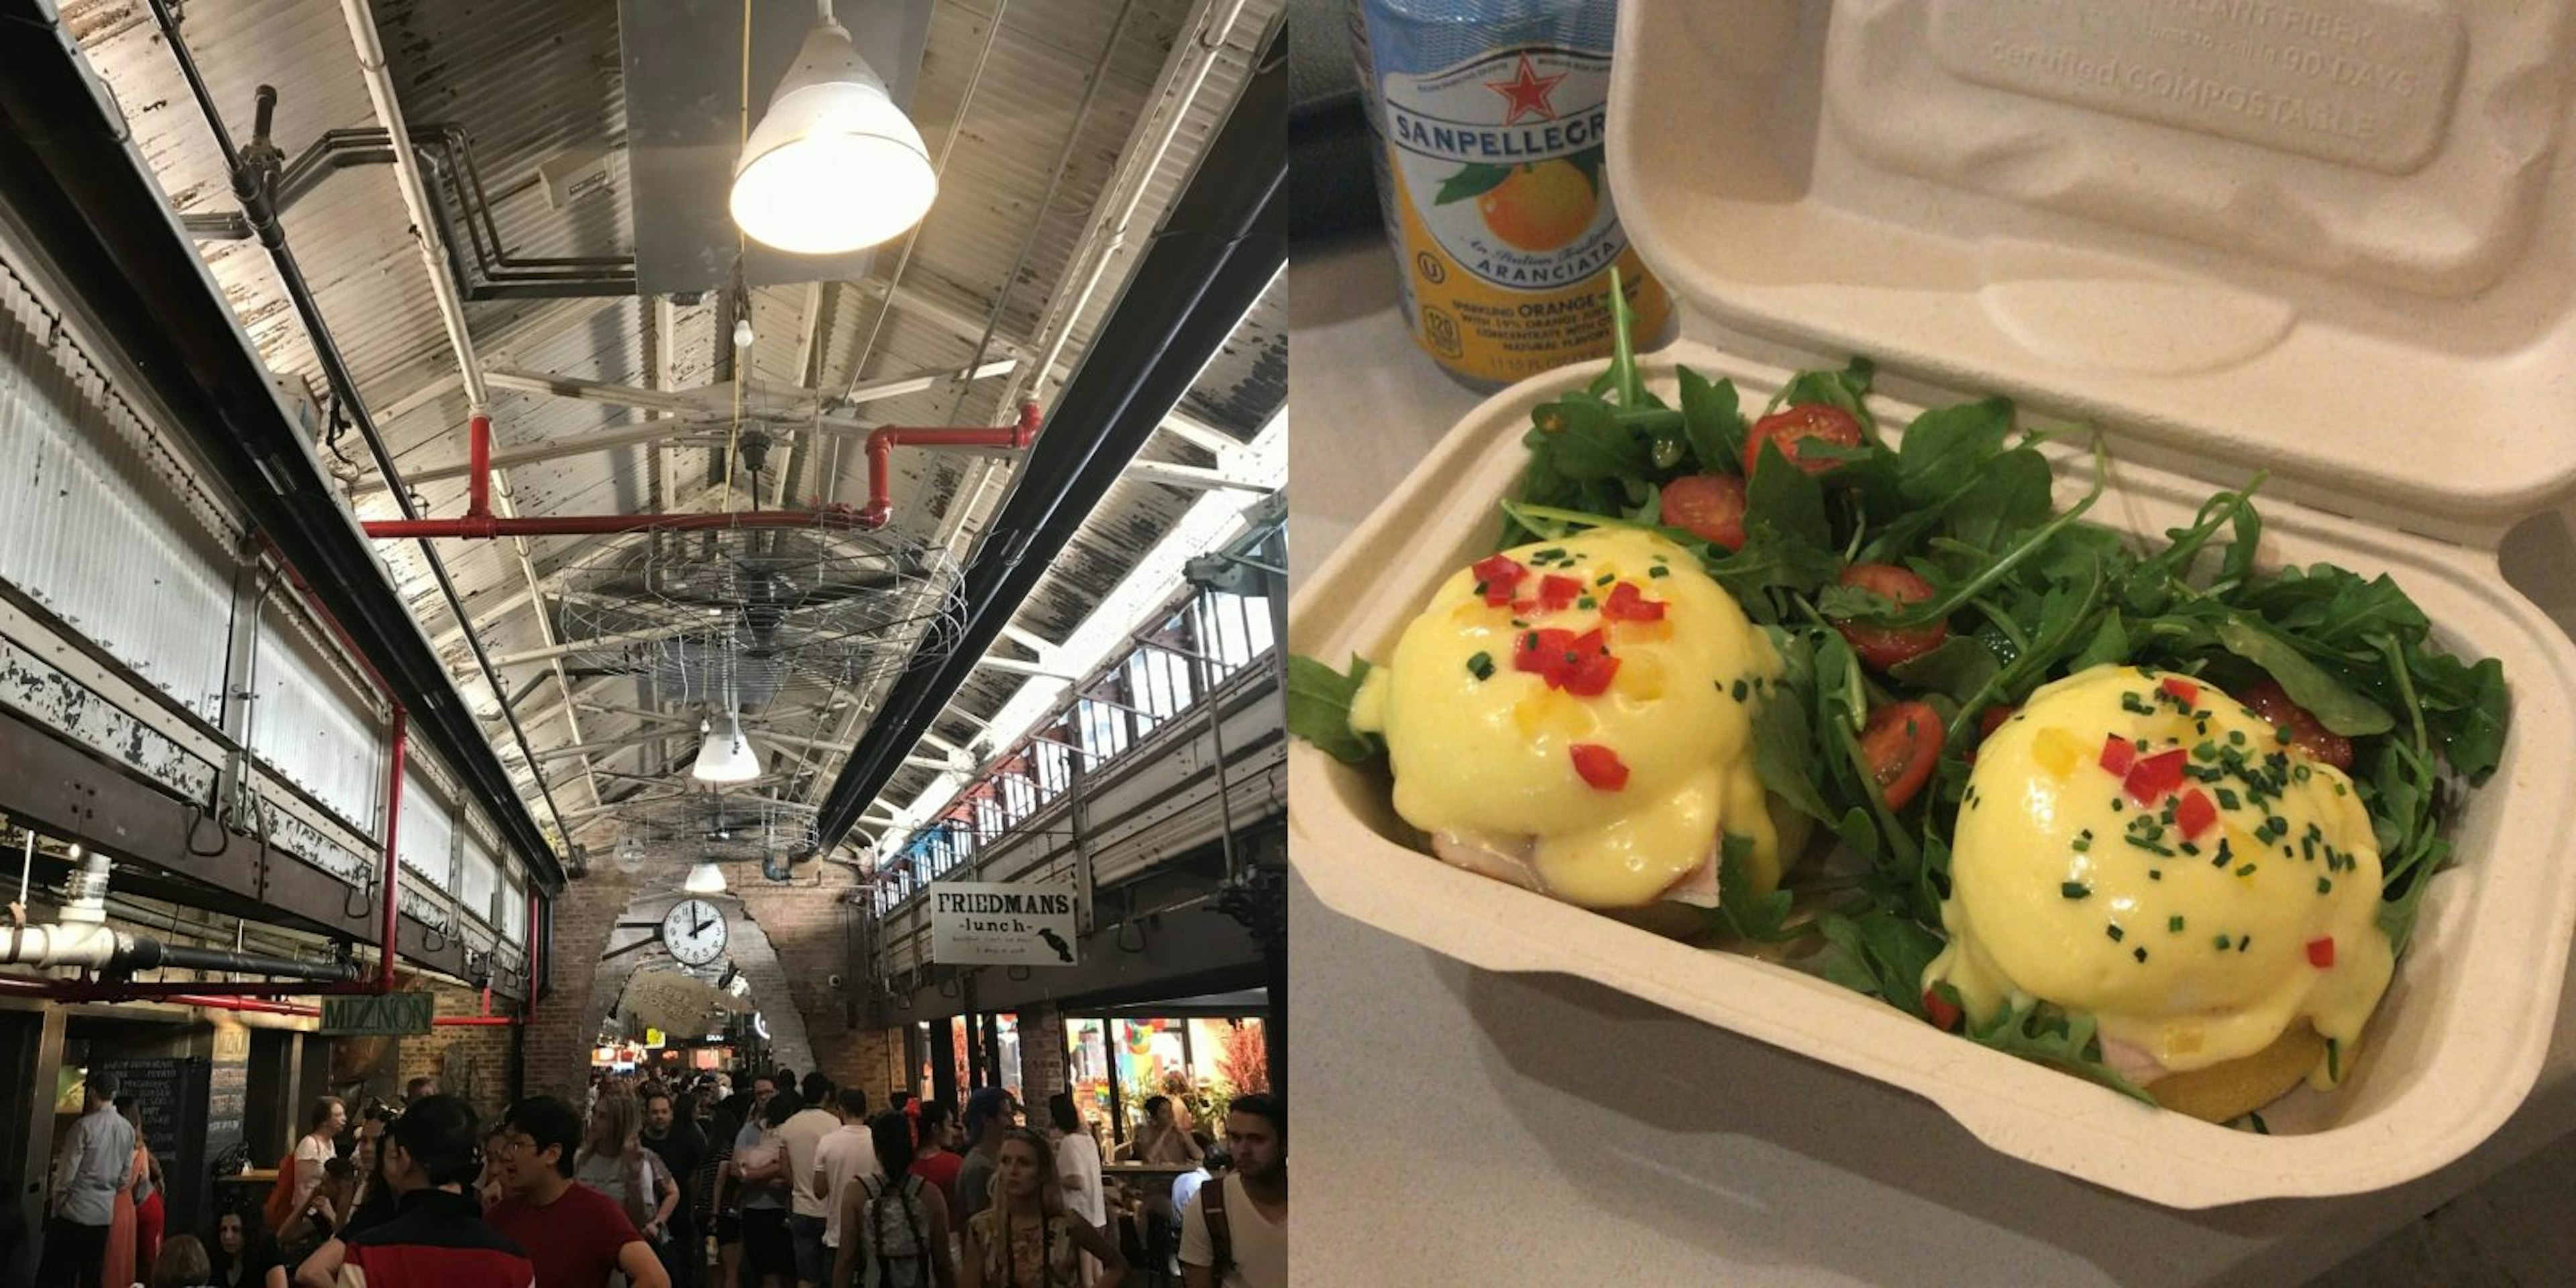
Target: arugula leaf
<point>1947,448</point>
<point>1761,918</point>
<point>1713,423</point>
<point>2007,494</point>
<point>1630,386</point>
<point>2336,707</point>
<point>2058,1038</point>
<point>1319,709</point>
<point>1787,500</point>
<point>1880,953</point>
<point>1594,444</point>
<point>1960,666</point>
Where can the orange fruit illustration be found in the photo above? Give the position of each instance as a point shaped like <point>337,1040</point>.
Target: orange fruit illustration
<point>1540,207</point>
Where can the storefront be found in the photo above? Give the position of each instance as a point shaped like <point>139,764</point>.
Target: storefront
<point>1201,1052</point>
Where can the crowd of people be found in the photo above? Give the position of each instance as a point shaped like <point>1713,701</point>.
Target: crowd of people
<point>775,1183</point>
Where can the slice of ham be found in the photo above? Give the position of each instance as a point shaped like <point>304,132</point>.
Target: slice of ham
<point>2132,1062</point>
<point>1482,855</point>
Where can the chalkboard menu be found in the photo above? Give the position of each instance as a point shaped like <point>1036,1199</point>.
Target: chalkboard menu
<point>227,1089</point>
<point>170,1091</point>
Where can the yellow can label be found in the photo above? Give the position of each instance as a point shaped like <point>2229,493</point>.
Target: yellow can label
<point>1502,220</point>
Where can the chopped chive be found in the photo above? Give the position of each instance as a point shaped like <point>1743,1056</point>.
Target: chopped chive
<point>2174,923</point>
<point>2222,943</point>
<point>2155,874</point>
<point>2246,871</point>
<point>2074,889</point>
<point>2334,1060</point>
<point>2298,773</point>
<point>2241,943</point>
<point>2115,932</point>
<point>2257,1119</point>
<point>1739,691</point>
<point>2142,956</point>
<point>2226,798</point>
<point>2236,736</point>
<point>1481,666</point>
<point>2338,789</point>
<point>1658,570</point>
<point>1605,579</point>
<point>2205,751</point>
<point>2325,885</point>
<point>2083,844</point>
<point>1585,603</point>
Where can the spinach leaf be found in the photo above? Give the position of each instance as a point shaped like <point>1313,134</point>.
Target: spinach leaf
<point>1319,709</point>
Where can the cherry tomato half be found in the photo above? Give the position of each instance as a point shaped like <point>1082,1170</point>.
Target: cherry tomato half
<point>2269,701</point>
<point>1791,426</point>
<point>1901,744</point>
<point>1708,506</point>
<point>1881,647</point>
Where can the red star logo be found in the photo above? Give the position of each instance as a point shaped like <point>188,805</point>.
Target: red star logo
<point>1527,93</point>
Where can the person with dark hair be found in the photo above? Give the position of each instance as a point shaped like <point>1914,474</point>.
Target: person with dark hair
<point>1235,1233</point>
<point>1160,1139</point>
<point>436,1238</point>
<point>1026,1238</point>
<point>420,1089</point>
<point>723,1203</point>
<point>325,1211</point>
<point>374,1203</point>
<point>842,1157</point>
<point>323,1125</point>
<point>988,1115</point>
<point>809,1215</point>
<point>674,1135</point>
<point>935,1140</point>
<point>243,1256</point>
<point>1077,1161</point>
<point>893,1224</point>
<point>576,1236</point>
<point>760,1163</point>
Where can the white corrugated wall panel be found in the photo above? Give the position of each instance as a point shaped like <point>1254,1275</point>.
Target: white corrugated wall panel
<point>312,729</point>
<point>92,523</point>
<point>428,831</point>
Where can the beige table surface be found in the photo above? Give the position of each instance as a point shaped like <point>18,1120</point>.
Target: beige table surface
<point>1460,1127</point>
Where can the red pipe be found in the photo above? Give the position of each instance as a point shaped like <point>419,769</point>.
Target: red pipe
<point>478,453</point>
<point>480,524</point>
<point>882,442</point>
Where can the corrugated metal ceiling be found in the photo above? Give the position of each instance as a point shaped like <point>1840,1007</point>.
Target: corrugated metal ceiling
<point>1025,192</point>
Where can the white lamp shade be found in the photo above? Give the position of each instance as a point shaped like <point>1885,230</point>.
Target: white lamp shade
<point>705,878</point>
<point>834,166</point>
<point>726,756</point>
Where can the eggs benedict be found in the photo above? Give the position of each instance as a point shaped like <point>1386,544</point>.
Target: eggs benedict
<point>1575,716</point>
<point>2143,848</point>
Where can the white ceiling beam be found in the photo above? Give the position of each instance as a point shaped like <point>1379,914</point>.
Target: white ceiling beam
<point>1195,478</point>
<point>1018,667</point>
<point>1190,429</point>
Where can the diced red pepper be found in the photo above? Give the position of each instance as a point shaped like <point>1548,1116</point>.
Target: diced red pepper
<point>1944,1016</point>
<point>2183,690</point>
<point>2118,755</point>
<point>1498,574</point>
<point>2321,952</point>
<point>1626,605</point>
<point>2150,778</point>
<point>1557,591</point>
<point>1541,652</point>
<point>1600,766</point>
<point>2194,814</point>
<point>1589,672</point>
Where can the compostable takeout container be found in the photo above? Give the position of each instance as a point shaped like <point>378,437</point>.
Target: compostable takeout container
<point>2330,240</point>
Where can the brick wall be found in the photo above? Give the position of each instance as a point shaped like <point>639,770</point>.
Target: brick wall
<point>1042,1071</point>
<point>471,1062</point>
<point>804,921</point>
<point>557,1056</point>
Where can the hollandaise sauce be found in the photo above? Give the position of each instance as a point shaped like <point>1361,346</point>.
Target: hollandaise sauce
<point>2144,848</point>
<point>1587,702</point>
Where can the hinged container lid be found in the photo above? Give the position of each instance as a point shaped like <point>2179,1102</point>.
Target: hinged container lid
<point>2333,238</point>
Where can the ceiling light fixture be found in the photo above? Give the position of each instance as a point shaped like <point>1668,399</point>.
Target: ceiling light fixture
<point>705,878</point>
<point>834,166</point>
<point>726,755</point>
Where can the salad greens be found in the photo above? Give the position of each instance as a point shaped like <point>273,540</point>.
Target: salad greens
<point>2030,593</point>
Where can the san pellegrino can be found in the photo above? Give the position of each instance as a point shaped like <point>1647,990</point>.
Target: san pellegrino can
<point>1489,117</point>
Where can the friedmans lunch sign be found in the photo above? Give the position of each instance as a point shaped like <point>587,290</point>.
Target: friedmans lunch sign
<point>987,923</point>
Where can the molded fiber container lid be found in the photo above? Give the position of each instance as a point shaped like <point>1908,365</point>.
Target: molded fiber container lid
<point>2334,238</point>
<point>2452,1051</point>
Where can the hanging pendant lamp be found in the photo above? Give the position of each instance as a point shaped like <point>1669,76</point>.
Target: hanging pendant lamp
<point>834,166</point>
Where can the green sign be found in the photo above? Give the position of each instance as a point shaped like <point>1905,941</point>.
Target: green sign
<point>392,1015</point>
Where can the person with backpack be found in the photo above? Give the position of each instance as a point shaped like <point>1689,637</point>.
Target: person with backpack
<point>893,1225</point>
<point>1235,1233</point>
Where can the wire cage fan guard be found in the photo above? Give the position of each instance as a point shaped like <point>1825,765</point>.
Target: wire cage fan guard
<point>729,616</point>
<point>719,827</point>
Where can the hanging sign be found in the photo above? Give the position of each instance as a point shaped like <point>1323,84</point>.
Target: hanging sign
<point>387,1015</point>
<point>992,923</point>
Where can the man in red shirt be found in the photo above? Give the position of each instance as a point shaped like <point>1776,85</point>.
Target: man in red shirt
<point>436,1237</point>
<point>575,1234</point>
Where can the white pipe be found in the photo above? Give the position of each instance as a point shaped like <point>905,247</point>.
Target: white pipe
<point>65,944</point>
<point>415,196</point>
<point>87,903</point>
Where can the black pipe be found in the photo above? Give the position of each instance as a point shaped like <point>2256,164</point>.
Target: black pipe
<point>254,171</point>
<point>75,182</point>
<point>1220,245</point>
<point>144,953</point>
